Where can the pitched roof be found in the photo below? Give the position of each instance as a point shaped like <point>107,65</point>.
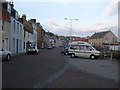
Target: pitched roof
<point>99,35</point>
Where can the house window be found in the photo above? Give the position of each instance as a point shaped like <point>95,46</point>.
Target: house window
<point>17,27</point>
<point>9,8</point>
<point>13,44</point>
<point>20,45</point>
<point>99,43</point>
<point>3,25</point>
<point>3,44</point>
<point>6,44</point>
<point>24,34</point>
<point>20,29</point>
<point>14,26</point>
<point>28,35</point>
<point>24,45</point>
<point>106,38</point>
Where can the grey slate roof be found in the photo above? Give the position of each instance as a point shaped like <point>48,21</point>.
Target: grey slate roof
<point>99,35</point>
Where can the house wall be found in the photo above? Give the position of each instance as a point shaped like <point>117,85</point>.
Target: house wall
<point>5,29</point>
<point>40,36</point>
<point>46,40</point>
<point>26,39</point>
<point>33,37</point>
<point>109,38</point>
<point>6,36</point>
<point>96,42</point>
<point>28,32</point>
<point>17,36</point>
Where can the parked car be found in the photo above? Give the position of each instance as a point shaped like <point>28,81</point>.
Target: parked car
<point>33,50</point>
<point>83,49</point>
<point>65,50</point>
<point>5,55</point>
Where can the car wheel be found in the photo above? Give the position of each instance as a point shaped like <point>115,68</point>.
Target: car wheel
<point>66,53</point>
<point>92,56</point>
<point>8,57</point>
<point>72,55</point>
<point>37,52</point>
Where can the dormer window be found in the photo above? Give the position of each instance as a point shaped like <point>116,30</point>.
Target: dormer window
<point>3,25</point>
<point>9,8</point>
<point>16,15</point>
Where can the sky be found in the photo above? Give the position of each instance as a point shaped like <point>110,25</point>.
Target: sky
<point>93,15</point>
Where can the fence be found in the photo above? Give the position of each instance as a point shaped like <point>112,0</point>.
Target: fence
<point>114,55</point>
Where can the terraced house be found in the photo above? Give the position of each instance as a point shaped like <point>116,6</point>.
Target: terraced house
<point>15,40</point>
<point>40,36</point>
<point>33,36</point>
<point>28,31</point>
<point>5,29</point>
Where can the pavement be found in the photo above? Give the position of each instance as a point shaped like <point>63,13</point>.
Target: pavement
<point>76,79</point>
<point>102,67</point>
<point>87,73</point>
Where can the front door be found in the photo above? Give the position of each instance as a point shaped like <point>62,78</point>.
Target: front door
<point>17,46</point>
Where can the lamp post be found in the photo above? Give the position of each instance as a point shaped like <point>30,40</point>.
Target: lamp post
<point>71,26</point>
<point>112,42</point>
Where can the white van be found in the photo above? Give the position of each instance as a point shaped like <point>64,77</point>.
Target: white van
<point>83,49</point>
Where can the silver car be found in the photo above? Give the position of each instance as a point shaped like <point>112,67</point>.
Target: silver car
<point>5,55</point>
<point>33,50</point>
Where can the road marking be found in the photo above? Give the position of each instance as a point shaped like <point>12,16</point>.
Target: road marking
<point>53,77</point>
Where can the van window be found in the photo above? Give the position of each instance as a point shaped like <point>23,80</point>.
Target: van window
<point>81,47</point>
<point>89,48</point>
<point>74,47</point>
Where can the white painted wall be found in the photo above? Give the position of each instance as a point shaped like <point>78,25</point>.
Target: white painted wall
<point>16,38</point>
<point>119,34</point>
<point>33,37</point>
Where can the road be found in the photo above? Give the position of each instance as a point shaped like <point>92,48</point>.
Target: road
<point>27,70</point>
<point>51,69</point>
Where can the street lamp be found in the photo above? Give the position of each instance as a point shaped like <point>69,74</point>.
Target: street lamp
<point>71,25</point>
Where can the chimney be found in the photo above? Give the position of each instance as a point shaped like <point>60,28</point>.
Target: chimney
<point>33,20</point>
<point>12,4</point>
<point>24,16</point>
<point>38,24</point>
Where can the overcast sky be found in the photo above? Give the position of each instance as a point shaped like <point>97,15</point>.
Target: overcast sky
<point>93,15</point>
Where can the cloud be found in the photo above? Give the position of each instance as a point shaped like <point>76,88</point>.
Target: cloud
<point>99,24</point>
<point>51,22</point>
<point>64,29</point>
<point>55,27</point>
<point>83,29</point>
<point>61,29</point>
<point>111,9</point>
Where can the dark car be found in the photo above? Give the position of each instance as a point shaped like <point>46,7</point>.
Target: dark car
<point>65,50</point>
